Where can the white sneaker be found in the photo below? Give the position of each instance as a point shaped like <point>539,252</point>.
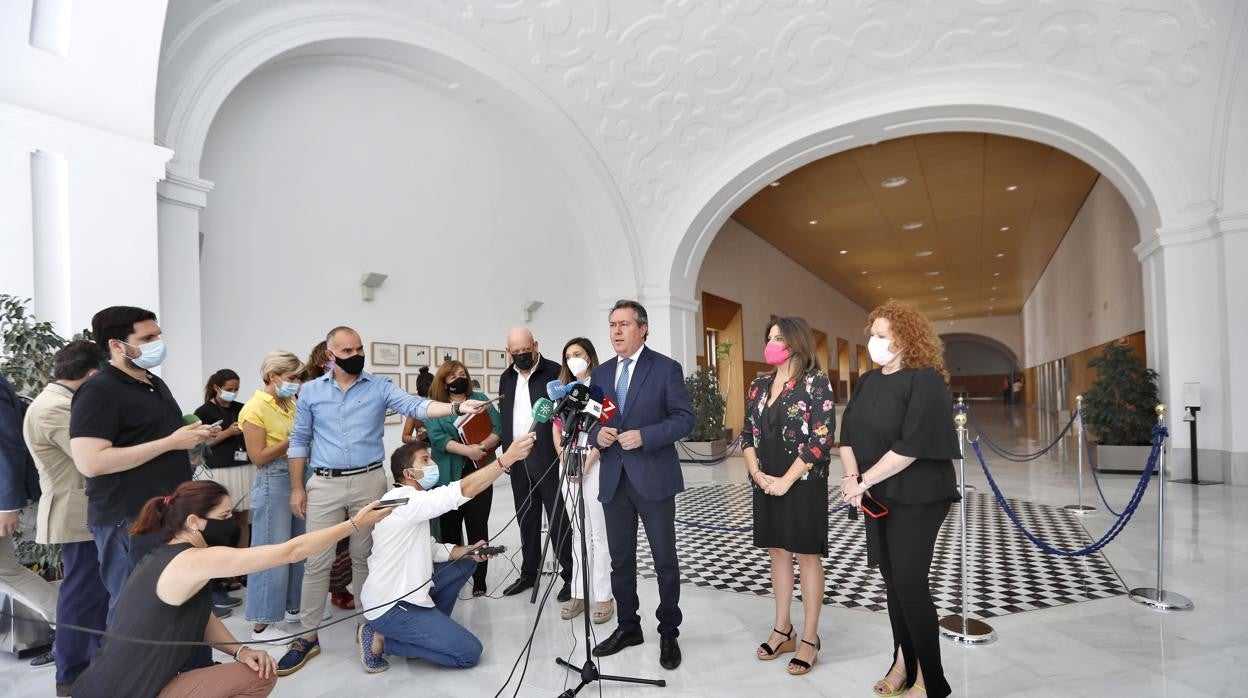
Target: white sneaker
<point>294,617</point>
<point>274,632</point>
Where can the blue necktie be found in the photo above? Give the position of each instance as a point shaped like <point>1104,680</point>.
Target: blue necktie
<point>621,385</point>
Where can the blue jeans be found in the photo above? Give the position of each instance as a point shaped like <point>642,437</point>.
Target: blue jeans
<point>429,633</point>
<point>83,601</point>
<point>112,546</point>
<point>274,591</point>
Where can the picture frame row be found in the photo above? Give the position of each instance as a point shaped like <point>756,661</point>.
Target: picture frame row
<point>390,353</point>
<point>487,383</point>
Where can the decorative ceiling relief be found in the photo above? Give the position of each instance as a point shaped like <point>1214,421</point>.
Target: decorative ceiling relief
<point>661,87</point>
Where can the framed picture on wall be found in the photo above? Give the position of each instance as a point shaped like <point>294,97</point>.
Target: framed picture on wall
<point>409,382</point>
<point>496,358</point>
<point>443,354</point>
<point>473,358</point>
<point>493,383</point>
<point>394,377</point>
<point>385,354</point>
<point>476,384</point>
<point>416,355</point>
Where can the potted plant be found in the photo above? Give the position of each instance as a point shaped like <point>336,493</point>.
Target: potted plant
<point>1119,409</point>
<point>706,441</point>
<point>26,349</point>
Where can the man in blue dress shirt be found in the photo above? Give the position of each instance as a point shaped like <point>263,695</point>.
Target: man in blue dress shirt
<point>338,428</point>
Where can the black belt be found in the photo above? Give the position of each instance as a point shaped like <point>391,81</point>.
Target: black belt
<point>335,472</point>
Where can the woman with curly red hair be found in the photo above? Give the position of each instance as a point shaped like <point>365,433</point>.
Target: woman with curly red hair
<point>897,448</point>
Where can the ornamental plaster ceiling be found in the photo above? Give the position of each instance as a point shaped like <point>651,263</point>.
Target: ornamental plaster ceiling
<point>967,234</point>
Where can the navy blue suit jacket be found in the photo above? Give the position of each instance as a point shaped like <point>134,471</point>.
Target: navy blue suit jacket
<point>19,480</point>
<point>657,404</point>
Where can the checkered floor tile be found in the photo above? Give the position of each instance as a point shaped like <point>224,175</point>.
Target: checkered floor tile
<point>1009,574</point>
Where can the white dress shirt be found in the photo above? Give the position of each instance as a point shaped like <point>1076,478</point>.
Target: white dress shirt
<point>522,408</point>
<point>404,552</point>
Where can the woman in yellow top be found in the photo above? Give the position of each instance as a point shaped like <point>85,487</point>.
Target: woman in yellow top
<point>267,420</point>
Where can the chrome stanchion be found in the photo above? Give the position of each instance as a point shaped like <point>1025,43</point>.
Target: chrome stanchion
<point>963,485</point>
<point>1080,509</point>
<point>1157,597</point>
<point>959,628</point>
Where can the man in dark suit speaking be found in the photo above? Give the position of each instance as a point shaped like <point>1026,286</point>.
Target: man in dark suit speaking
<point>641,475</point>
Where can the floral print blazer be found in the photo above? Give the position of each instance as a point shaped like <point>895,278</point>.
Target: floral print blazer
<point>808,422</point>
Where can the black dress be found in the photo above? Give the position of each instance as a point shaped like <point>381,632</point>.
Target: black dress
<point>799,424</point>
<point>123,668</point>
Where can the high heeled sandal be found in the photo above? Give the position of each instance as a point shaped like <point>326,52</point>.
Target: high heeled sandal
<point>893,691</point>
<point>788,645</point>
<point>798,667</point>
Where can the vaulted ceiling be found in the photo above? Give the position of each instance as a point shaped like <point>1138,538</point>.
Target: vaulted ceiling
<point>959,224</point>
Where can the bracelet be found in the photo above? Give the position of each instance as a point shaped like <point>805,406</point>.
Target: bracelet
<point>351,521</point>
<point>455,409</point>
<point>239,651</point>
<point>852,475</point>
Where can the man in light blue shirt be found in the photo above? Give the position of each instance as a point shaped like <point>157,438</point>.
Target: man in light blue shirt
<point>339,426</point>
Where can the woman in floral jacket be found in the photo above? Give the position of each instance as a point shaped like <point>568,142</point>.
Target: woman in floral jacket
<point>787,440</point>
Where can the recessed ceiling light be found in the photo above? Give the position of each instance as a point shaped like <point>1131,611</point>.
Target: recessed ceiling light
<point>938,288</point>
<point>844,251</point>
<point>923,253</point>
<point>1012,187</point>
<point>1000,255</point>
<point>943,298</point>
<point>1002,228</point>
<point>993,298</point>
<point>864,272</point>
<point>912,225</point>
<point>879,287</point>
<point>996,273</point>
<point>948,307</point>
<point>931,273</point>
<point>774,184</point>
<point>894,182</point>
<point>812,222</point>
<point>994,288</point>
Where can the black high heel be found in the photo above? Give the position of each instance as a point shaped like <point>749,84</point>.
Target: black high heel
<point>798,667</point>
<point>787,646</point>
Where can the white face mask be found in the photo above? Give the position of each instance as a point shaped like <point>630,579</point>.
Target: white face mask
<point>228,396</point>
<point>577,365</point>
<point>878,348</point>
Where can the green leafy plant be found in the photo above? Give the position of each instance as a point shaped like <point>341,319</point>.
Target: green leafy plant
<point>1119,408</point>
<point>708,406</point>
<point>26,349</point>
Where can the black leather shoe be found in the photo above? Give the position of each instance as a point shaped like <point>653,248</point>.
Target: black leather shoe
<point>44,659</point>
<point>518,586</point>
<point>565,593</point>
<point>618,641</point>
<point>669,652</point>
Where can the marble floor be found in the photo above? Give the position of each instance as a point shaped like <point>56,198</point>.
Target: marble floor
<point>1105,647</point>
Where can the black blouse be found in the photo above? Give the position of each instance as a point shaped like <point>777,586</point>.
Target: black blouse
<point>910,413</point>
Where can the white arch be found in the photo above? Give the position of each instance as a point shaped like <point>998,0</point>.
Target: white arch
<point>1148,178</point>
<point>222,47</point>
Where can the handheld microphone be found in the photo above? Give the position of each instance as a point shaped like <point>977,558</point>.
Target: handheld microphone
<point>543,410</point>
<point>608,410</point>
<point>556,390</point>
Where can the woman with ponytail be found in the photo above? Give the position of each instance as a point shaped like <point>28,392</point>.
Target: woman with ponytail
<point>167,601</point>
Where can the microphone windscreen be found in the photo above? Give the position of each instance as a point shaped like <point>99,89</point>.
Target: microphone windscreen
<point>543,409</point>
<point>555,389</point>
<point>595,393</point>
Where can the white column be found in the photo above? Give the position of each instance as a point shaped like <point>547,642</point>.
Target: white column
<point>1188,310</point>
<point>17,263</point>
<point>1234,254</point>
<point>673,326</point>
<point>179,201</point>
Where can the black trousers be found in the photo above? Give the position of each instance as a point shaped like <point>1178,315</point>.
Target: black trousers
<point>622,514</point>
<point>907,540</point>
<point>473,515</point>
<point>545,497</point>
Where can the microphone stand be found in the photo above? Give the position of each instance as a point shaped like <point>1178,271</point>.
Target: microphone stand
<point>588,671</point>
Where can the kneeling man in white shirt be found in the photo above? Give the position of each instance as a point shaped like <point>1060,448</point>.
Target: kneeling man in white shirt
<point>406,557</point>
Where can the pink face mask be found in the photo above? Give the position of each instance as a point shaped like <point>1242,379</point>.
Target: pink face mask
<point>776,354</point>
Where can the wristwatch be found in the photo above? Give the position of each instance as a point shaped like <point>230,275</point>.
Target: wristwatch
<point>455,409</point>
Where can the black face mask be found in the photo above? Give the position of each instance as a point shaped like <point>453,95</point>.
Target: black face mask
<point>221,532</point>
<point>524,362</point>
<point>459,386</point>
<point>353,364</point>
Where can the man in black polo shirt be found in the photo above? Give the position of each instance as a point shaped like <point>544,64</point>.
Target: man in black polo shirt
<point>128,438</point>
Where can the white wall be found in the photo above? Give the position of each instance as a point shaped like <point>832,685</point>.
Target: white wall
<point>742,267</point>
<point>1007,329</point>
<point>387,177</point>
<point>1091,292</point>
<point>971,358</point>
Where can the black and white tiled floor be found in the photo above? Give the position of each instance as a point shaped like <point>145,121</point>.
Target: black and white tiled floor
<point>1008,573</point>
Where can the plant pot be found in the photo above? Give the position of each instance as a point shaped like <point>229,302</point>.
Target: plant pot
<point>21,627</point>
<point>1121,459</point>
<point>704,450</point>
